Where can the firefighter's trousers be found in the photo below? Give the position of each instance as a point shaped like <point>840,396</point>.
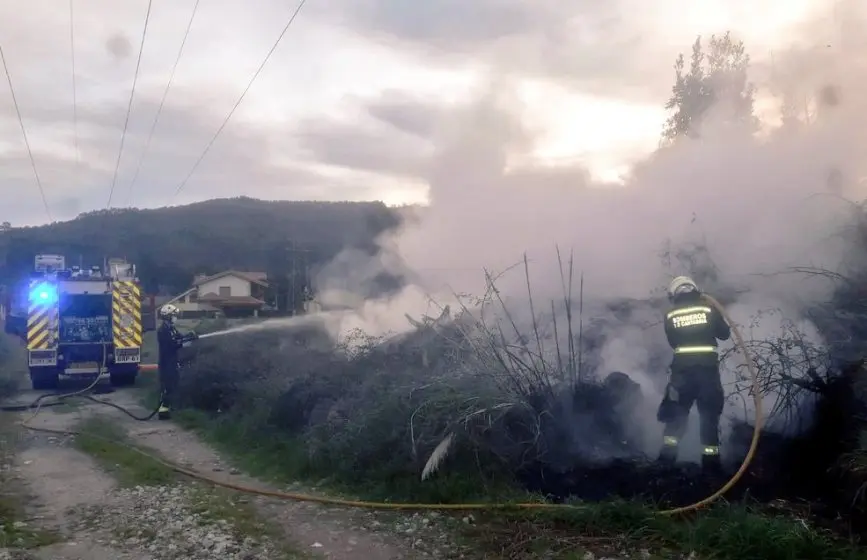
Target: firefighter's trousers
<point>695,379</point>
<point>169,376</point>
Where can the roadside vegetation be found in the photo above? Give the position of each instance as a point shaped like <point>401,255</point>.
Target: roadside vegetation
<point>108,444</point>
<point>15,531</point>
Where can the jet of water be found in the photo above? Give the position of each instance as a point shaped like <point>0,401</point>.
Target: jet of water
<point>272,324</point>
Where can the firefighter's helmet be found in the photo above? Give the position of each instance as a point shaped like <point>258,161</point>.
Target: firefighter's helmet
<point>169,312</point>
<point>681,285</point>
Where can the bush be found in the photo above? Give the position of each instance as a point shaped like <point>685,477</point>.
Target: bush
<point>380,412</point>
<point>470,403</point>
<point>13,365</point>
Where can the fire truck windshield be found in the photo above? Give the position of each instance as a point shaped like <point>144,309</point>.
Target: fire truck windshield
<point>85,318</point>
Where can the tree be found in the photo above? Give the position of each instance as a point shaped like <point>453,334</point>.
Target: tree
<point>717,78</point>
<point>5,226</point>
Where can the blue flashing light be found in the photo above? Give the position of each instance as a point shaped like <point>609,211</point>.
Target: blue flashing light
<point>43,294</point>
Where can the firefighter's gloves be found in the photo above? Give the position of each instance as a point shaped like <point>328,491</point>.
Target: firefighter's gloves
<point>188,339</point>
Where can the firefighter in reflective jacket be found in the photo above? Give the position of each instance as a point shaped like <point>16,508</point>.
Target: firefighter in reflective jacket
<point>693,328</point>
<point>170,340</point>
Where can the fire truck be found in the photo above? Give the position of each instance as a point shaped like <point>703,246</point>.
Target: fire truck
<point>80,322</point>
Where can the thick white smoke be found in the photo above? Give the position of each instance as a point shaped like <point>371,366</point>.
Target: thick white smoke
<point>760,204</point>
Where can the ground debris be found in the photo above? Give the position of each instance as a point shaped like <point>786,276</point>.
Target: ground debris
<point>168,523</point>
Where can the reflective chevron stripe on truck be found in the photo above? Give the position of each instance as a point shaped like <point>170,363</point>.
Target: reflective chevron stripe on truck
<point>126,322</point>
<point>42,316</point>
<point>42,323</point>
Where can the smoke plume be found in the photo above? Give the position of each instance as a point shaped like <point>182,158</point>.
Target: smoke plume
<point>760,204</point>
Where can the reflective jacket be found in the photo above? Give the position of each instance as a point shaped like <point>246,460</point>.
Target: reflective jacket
<point>170,340</point>
<point>693,326</point>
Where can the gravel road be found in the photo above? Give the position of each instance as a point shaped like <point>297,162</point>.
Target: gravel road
<point>95,517</point>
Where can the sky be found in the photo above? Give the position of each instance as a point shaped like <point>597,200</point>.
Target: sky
<point>350,106</point>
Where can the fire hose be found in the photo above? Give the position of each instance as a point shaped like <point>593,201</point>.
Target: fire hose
<point>292,496</point>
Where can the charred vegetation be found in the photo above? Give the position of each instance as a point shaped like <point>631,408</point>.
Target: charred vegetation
<point>475,395</point>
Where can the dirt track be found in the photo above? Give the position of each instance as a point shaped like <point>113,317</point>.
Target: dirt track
<point>95,513</point>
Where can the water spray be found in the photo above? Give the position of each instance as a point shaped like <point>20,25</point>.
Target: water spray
<point>276,324</point>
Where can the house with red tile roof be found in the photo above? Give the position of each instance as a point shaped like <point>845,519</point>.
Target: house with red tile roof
<point>231,293</point>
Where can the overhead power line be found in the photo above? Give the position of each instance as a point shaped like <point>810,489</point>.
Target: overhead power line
<point>162,103</point>
<point>129,106</point>
<point>24,134</point>
<point>240,99</point>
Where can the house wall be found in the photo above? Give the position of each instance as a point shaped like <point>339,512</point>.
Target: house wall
<point>188,305</point>
<point>238,286</point>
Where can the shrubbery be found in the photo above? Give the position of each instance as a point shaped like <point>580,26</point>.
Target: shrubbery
<point>488,405</point>
<point>380,412</point>
<point>485,409</point>
<point>486,401</point>
<point>13,364</point>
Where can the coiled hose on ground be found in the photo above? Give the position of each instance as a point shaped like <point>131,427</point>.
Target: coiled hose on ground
<point>738,340</point>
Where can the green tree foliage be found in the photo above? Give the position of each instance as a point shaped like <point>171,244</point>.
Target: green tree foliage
<point>716,78</point>
<point>170,245</point>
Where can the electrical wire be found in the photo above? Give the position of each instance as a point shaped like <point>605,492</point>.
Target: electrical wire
<point>129,106</point>
<point>24,134</point>
<point>74,85</point>
<point>162,103</point>
<point>240,99</point>
<point>292,496</point>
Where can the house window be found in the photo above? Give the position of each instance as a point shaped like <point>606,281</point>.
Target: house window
<point>225,291</point>
<point>193,297</point>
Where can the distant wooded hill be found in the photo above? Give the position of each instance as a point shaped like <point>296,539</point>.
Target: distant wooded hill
<point>170,245</point>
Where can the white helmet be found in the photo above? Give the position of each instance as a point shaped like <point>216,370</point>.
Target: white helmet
<point>681,285</point>
<point>169,312</point>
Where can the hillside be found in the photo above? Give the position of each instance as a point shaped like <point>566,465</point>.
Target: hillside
<point>171,244</point>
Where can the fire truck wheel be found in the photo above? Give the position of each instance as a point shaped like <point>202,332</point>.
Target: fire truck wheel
<point>44,379</point>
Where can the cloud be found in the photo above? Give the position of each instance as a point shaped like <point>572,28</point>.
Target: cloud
<point>619,48</point>
<point>366,146</point>
<point>244,160</point>
<point>593,45</point>
<point>259,153</point>
<point>406,113</point>
<point>362,118</point>
<point>295,135</point>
